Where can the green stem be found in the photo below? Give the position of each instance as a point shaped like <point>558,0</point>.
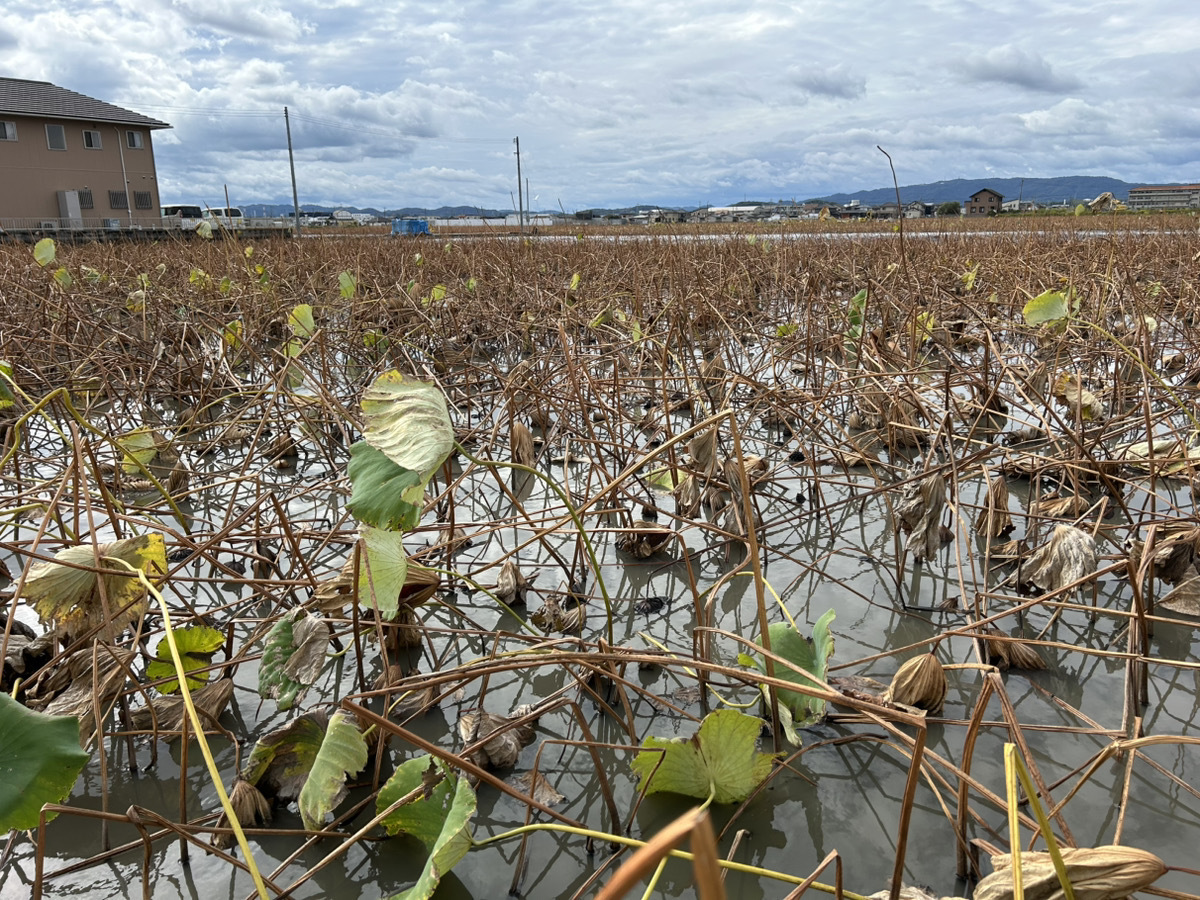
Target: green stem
<point>679,854</point>
<point>198,727</point>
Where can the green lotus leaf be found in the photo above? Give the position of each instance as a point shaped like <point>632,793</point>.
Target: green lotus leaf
<point>293,656</point>
<point>1048,306</point>
<point>720,760</point>
<point>382,570</point>
<point>804,655</point>
<point>343,752</point>
<point>383,495</point>
<point>440,818</point>
<point>196,647</point>
<point>40,757</point>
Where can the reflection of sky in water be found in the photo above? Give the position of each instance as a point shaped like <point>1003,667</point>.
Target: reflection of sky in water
<point>833,551</point>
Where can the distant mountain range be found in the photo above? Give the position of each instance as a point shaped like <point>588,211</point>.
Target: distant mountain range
<point>442,212</point>
<point>1070,189</point>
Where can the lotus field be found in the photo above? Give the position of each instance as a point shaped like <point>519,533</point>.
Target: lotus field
<point>644,563</point>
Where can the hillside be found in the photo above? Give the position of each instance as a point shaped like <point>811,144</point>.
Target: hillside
<point>1071,189</point>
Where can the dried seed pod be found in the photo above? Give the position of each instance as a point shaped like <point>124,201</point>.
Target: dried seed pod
<point>920,682</point>
<point>1095,873</point>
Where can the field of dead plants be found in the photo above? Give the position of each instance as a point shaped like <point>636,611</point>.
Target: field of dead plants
<point>661,563</point>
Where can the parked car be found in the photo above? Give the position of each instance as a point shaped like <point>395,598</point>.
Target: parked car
<point>184,217</point>
<point>229,217</point>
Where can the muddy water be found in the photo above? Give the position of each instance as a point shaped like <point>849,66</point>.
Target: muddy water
<point>842,795</point>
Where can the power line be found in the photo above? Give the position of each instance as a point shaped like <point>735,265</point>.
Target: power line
<point>340,125</point>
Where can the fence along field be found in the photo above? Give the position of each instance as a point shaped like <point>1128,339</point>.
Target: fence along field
<point>366,564</point>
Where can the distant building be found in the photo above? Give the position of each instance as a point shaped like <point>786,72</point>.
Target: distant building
<point>1019,206</point>
<point>984,202</point>
<point>71,161</point>
<point>1165,196</point>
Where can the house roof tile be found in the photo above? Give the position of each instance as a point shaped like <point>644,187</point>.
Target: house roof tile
<point>41,98</point>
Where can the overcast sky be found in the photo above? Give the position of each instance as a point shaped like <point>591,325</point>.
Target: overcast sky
<point>626,101</point>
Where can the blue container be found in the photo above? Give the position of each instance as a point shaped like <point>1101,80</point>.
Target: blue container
<point>409,226</point>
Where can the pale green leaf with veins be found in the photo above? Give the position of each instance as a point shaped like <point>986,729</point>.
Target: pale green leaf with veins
<point>383,567</point>
<point>720,760</point>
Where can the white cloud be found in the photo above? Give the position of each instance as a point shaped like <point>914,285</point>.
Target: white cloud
<point>673,102</point>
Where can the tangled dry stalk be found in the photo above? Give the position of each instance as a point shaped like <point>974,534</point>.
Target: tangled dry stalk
<point>709,407</point>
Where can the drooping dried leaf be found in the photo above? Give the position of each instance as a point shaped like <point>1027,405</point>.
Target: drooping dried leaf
<point>994,520</point>
<point>511,584</point>
<point>1010,654</point>
<point>920,682</point>
<point>1079,401</point>
<point>703,450</point>
<point>210,701</point>
<point>919,511</point>
<point>1095,873</point>
<point>909,892</point>
<point>502,751</point>
<point>1184,598</point>
<point>536,786</point>
<point>644,539</point>
<point>84,681</point>
<point>1068,556</point>
<point>68,593</point>
<point>1173,556</point>
<point>250,807</point>
<point>521,443</point>
<point>565,617</point>
<point>1053,506</point>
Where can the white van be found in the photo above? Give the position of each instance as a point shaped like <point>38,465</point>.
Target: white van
<point>181,216</point>
<point>229,217</point>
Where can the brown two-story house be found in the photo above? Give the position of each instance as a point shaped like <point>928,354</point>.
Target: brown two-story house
<point>70,161</point>
<point>984,202</point>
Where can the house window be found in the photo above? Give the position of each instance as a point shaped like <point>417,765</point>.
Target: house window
<point>118,200</point>
<point>133,140</point>
<point>91,140</point>
<point>8,131</point>
<point>56,137</point>
<point>86,201</point>
<point>141,199</point>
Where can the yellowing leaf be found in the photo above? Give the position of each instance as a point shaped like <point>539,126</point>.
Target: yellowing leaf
<point>67,593</point>
<point>719,760</point>
<point>1048,306</point>
<point>300,320</point>
<point>44,252</point>
<point>140,446</point>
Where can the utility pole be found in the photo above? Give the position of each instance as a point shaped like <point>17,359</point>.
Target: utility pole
<point>124,177</point>
<point>292,163</point>
<point>520,203</point>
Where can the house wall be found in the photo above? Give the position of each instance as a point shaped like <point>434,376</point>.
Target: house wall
<point>982,203</point>
<point>32,174</point>
<point>1165,197</point>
